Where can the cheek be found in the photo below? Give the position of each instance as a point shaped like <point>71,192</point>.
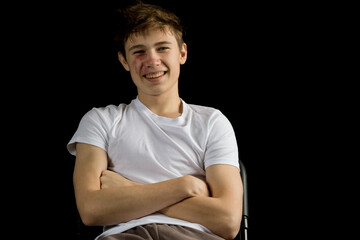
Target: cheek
<point>137,63</point>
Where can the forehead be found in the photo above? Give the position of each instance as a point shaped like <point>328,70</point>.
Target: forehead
<point>150,37</point>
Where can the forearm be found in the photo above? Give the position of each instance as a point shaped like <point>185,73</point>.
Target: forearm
<point>216,214</point>
<point>121,204</point>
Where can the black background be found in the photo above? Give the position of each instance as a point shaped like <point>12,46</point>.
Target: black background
<point>258,63</point>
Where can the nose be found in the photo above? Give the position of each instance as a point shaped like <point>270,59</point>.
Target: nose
<point>153,60</point>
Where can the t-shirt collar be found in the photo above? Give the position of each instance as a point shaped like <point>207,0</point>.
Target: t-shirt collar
<point>146,110</point>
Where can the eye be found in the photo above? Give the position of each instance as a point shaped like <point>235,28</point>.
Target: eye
<point>139,52</point>
<point>163,49</point>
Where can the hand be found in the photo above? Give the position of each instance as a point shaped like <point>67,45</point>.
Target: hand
<point>109,179</point>
<point>197,187</point>
<point>194,187</point>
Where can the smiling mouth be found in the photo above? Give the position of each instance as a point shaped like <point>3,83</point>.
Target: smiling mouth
<point>154,75</point>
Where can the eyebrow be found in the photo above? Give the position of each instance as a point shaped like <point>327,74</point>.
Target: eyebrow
<point>140,46</point>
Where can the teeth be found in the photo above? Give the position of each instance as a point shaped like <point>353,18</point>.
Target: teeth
<point>154,75</point>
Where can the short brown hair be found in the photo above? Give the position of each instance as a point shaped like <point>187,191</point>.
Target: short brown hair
<point>141,17</point>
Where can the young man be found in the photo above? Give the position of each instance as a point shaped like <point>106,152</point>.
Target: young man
<point>157,166</point>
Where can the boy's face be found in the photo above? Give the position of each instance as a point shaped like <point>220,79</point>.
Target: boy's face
<point>153,60</point>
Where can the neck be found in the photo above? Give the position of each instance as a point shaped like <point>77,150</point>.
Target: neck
<point>165,105</point>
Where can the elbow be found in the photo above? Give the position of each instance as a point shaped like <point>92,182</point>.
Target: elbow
<point>230,227</point>
<point>88,219</point>
<point>230,231</point>
<point>231,234</point>
<point>88,215</point>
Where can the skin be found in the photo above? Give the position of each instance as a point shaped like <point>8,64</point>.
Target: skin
<point>104,197</point>
<point>156,52</point>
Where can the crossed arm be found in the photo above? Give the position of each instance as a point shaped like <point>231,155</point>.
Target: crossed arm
<point>104,197</point>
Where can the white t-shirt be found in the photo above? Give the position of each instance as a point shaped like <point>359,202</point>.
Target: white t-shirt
<point>147,148</point>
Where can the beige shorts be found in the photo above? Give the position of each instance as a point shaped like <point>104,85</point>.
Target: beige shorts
<point>162,231</point>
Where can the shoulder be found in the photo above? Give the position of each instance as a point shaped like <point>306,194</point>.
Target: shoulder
<point>103,117</point>
<point>107,113</point>
<point>203,110</point>
<point>210,118</point>
<point>206,113</point>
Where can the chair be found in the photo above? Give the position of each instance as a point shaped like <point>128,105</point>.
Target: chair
<point>84,232</point>
<point>244,222</point>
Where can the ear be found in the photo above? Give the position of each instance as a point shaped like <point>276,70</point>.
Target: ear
<point>123,61</point>
<point>183,53</point>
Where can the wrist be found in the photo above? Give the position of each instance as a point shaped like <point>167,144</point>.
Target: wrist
<point>194,186</point>
<point>185,186</point>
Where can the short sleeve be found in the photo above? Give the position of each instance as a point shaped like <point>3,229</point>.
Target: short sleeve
<point>93,129</point>
<point>221,145</point>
